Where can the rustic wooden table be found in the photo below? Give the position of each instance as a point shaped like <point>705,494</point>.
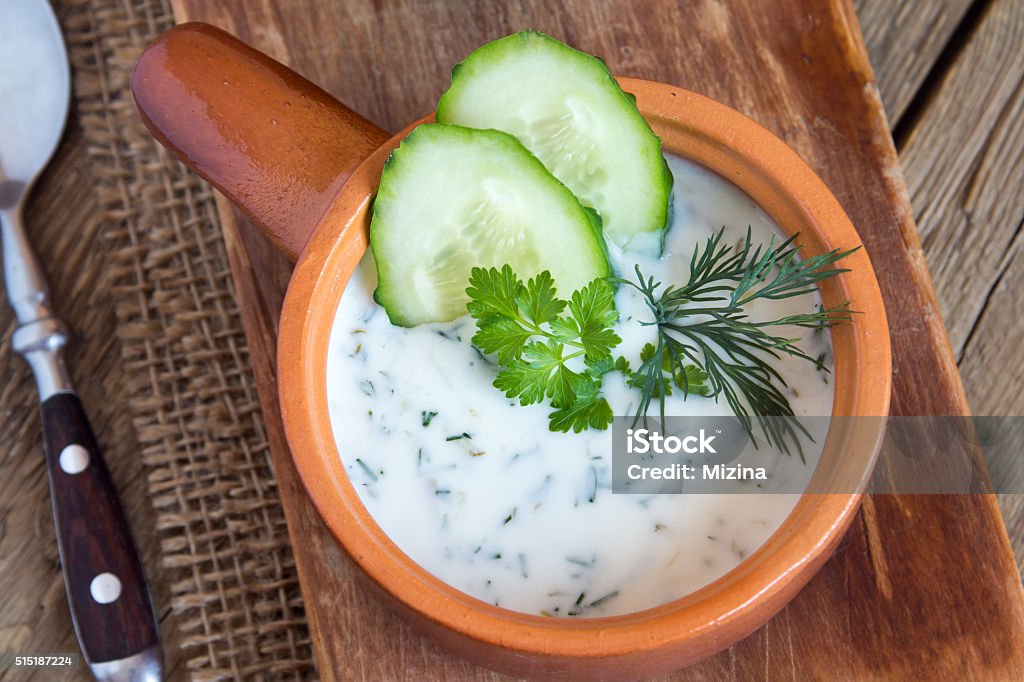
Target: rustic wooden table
<point>951,76</point>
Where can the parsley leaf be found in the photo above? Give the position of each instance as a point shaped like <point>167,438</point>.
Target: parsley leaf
<point>503,337</point>
<point>694,380</point>
<point>594,304</point>
<point>688,378</point>
<point>493,293</point>
<point>520,380</point>
<point>538,301</point>
<point>598,368</point>
<point>589,411</point>
<point>544,352</point>
<point>543,368</point>
<point>591,319</point>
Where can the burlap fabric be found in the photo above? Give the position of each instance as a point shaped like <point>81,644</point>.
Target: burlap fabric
<point>194,406</point>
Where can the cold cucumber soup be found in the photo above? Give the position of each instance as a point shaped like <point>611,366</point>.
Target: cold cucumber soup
<point>479,492</point>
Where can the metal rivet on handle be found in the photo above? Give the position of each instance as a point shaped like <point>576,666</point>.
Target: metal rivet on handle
<point>74,459</point>
<point>105,588</point>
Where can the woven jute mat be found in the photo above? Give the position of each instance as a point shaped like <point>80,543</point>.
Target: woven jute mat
<point>224,544</point>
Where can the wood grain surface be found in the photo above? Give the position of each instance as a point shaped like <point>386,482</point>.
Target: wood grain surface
<point>919,48</point>
<point>904,41</point>
<point>970,211</point>
<point>920,583</point>
<point>962,152</point>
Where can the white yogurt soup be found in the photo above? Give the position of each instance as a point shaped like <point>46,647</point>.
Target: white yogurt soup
<point>477,490</point>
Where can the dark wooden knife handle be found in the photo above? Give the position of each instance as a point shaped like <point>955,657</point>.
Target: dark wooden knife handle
<point>106,588</point>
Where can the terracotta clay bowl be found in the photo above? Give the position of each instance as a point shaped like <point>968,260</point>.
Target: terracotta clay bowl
<point>306,169</point>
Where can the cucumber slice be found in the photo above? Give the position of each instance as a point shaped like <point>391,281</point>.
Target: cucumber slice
<point>567,109</point>
<point>452,199</point>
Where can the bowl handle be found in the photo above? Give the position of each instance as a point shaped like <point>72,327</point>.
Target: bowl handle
<point>273,142</point>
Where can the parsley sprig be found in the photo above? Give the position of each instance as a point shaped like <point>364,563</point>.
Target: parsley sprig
<point>547,348</point>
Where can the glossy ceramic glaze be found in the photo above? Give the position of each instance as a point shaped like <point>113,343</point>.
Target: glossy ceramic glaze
<point>308,171</point>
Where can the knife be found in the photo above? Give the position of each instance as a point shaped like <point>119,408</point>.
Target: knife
<point>110,604</point>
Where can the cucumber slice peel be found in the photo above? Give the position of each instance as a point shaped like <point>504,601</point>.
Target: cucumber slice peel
<point>453,198</point>
<point>565,107</point>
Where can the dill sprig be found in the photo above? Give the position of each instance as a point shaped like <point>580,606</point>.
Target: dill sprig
<point>704,323</point>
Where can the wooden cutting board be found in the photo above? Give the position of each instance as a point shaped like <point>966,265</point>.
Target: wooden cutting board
<point>921,585</point>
